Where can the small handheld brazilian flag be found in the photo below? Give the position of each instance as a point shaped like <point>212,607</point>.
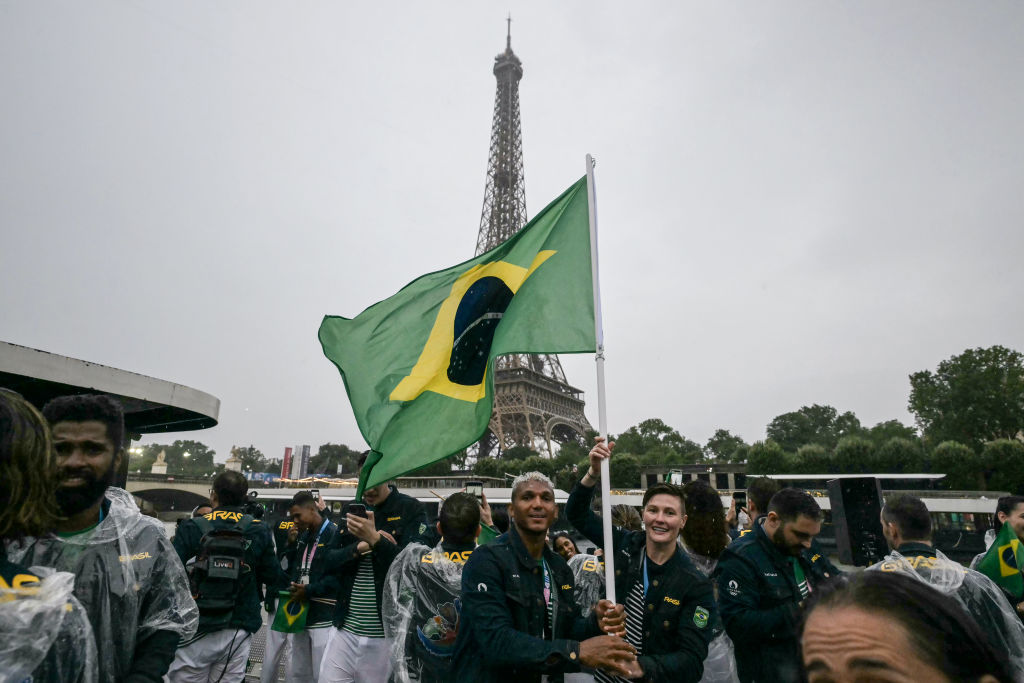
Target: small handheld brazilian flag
<point>1003,562</point>
<point>291,614</point>
<point>419,366</point>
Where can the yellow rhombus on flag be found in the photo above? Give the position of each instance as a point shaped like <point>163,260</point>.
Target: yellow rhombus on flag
<point>419,366</point>
<point>1003,561</point>
<point>291,614</point>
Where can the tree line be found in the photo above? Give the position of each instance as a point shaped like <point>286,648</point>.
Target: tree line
<point>969,414</point>
<point>969,417</point>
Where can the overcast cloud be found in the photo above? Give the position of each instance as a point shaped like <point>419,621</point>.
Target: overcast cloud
<point>800,202</point>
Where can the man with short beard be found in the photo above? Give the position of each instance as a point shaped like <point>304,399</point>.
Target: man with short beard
<point>45,634</point>
<point>764,578</point>
<point>128,577</point>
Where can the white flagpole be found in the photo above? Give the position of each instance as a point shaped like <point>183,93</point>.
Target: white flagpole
<point>602,413</point>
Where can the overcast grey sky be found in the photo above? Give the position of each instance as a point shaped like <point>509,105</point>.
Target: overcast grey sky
<point>800,202</point>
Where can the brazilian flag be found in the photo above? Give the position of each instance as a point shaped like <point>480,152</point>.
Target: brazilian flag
<point>419,366</point>
<point>291,614</point>
<point>1003,562</point>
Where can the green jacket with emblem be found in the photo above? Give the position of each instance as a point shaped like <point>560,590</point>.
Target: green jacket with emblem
<point>260,564</point>
<point>760,604</point>
<point>680,616</point>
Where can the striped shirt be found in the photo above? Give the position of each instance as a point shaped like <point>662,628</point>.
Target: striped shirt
<point>363,618</point>
<point>800,578</point>
<point>634,628</point>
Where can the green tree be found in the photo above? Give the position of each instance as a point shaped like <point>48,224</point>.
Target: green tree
<point>1003,461</point>
<point>767,457</point>
<point>569,465</point>
<point>567,475</point>
<point>960,464</point>
<point>458,460</point>
<point>822,425</point>
<point>723,446</point>
<point>662,454</point>
<point>183,457</point>
<point>625,471</point>
<point>973,397</point>
<point>853,455</point>
<point>891,429</point>
<point>899,456</point>
<point>517,453</point>
<point>330,455</point>
<point>489,467</point>
<point>811,459</point>
<point>512,467</point>
<point>536,463</point>
<point>575,451</point>
<point>653,435</point>
<point>141,458</point>
<point>252,459</point>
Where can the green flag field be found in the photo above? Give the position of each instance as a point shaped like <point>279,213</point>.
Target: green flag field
<point>419,366</point>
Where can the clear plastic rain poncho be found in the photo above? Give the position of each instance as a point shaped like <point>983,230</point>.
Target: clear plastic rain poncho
<point>990,538</point>
<point>44,632</point>
<point>127,577</point>
<point>420,610</point>
<point>589,576</point>
<point>720,664</point>
<point>976,592</point>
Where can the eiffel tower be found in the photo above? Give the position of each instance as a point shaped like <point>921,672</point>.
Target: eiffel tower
<point>533,403</point>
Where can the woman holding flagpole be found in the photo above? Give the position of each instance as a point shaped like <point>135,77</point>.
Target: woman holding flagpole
<point>670,605</point>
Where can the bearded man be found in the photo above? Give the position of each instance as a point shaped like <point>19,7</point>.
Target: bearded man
<point>127,576</point>
<point>764,578</point>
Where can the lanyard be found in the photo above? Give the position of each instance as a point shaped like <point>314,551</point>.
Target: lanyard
<point>310,551</point>
<point>548,616</point>
<point>643,565</point>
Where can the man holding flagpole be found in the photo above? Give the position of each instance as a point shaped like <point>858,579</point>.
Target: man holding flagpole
<point>671,614</point>
<point>520,620</point>
<point>419,366</point>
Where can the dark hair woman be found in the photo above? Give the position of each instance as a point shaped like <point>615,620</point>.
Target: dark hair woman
<point>704,537</point>
<point>44,632</point>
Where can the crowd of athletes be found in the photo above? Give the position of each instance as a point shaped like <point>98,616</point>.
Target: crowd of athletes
<point>93,590</point>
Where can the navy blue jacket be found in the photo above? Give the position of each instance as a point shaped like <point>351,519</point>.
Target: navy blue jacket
<point>760,603</point>
<point>401,516</point>
<point>501,632</point>
<point>680,616</point>
<point>322,589</point>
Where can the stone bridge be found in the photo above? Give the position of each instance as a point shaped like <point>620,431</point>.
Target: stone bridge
<point>169,494</point>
